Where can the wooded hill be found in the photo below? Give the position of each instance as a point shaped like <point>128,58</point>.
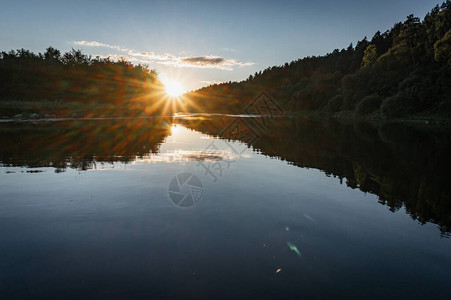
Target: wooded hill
<point>403,71</point>
<point>62,83</point>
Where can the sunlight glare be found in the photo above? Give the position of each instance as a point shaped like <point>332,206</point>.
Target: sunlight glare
<point>175,128</point>
<point>173,88</point>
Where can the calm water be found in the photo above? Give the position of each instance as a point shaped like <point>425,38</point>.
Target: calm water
<point>208,207</point>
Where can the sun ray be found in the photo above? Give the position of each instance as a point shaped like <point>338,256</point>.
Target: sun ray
<point>173,87</point>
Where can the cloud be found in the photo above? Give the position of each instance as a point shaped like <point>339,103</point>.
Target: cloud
<point>203,60</point>
<point>210,62</point>
<point>98,44</point>
<point>114,57</point>
<point>211,82</point>
<point>153,57</point>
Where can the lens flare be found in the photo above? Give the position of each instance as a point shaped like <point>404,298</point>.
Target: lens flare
<point>173,88</point>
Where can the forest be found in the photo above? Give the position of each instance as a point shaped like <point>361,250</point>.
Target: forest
<point>64,83</point>
<point>403,71</point>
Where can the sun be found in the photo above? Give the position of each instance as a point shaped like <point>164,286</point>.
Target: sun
<point>172,93</point>
<point>173,88</point>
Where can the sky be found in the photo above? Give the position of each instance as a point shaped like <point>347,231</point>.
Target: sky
<point>200,42</point>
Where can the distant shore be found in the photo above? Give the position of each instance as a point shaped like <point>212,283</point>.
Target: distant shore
<point>352,116</point>
<point>34,110</point>
<point>51,111</point>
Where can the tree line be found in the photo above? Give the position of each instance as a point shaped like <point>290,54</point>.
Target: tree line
<point>74,77</point>
<point>404,70</point>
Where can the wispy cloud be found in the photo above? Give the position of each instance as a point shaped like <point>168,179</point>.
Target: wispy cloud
<point>204,60</point>
<point>98,44</point>
<point>211,82</point>
<point>115,57</point>
<point>208,62</point>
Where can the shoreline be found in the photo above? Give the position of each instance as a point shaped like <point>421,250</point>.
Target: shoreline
<point>416,121</point>
<point>53,111</point>
<point>351,117</point>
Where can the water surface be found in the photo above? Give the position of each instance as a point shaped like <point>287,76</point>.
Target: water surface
<point>285,208</point>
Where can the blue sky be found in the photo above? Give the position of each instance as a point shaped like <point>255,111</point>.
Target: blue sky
<point>200,41</point>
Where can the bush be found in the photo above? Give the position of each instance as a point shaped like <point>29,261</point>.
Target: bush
<point>369,104</point>
<point>335,103</point>
<point>394,106</point>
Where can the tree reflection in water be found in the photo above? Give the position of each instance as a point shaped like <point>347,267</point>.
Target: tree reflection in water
<point>404,166</point>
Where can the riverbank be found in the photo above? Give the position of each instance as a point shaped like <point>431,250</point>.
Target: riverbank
<point>423,119</point>
<point>32,110</point>
<point>54,110</point>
